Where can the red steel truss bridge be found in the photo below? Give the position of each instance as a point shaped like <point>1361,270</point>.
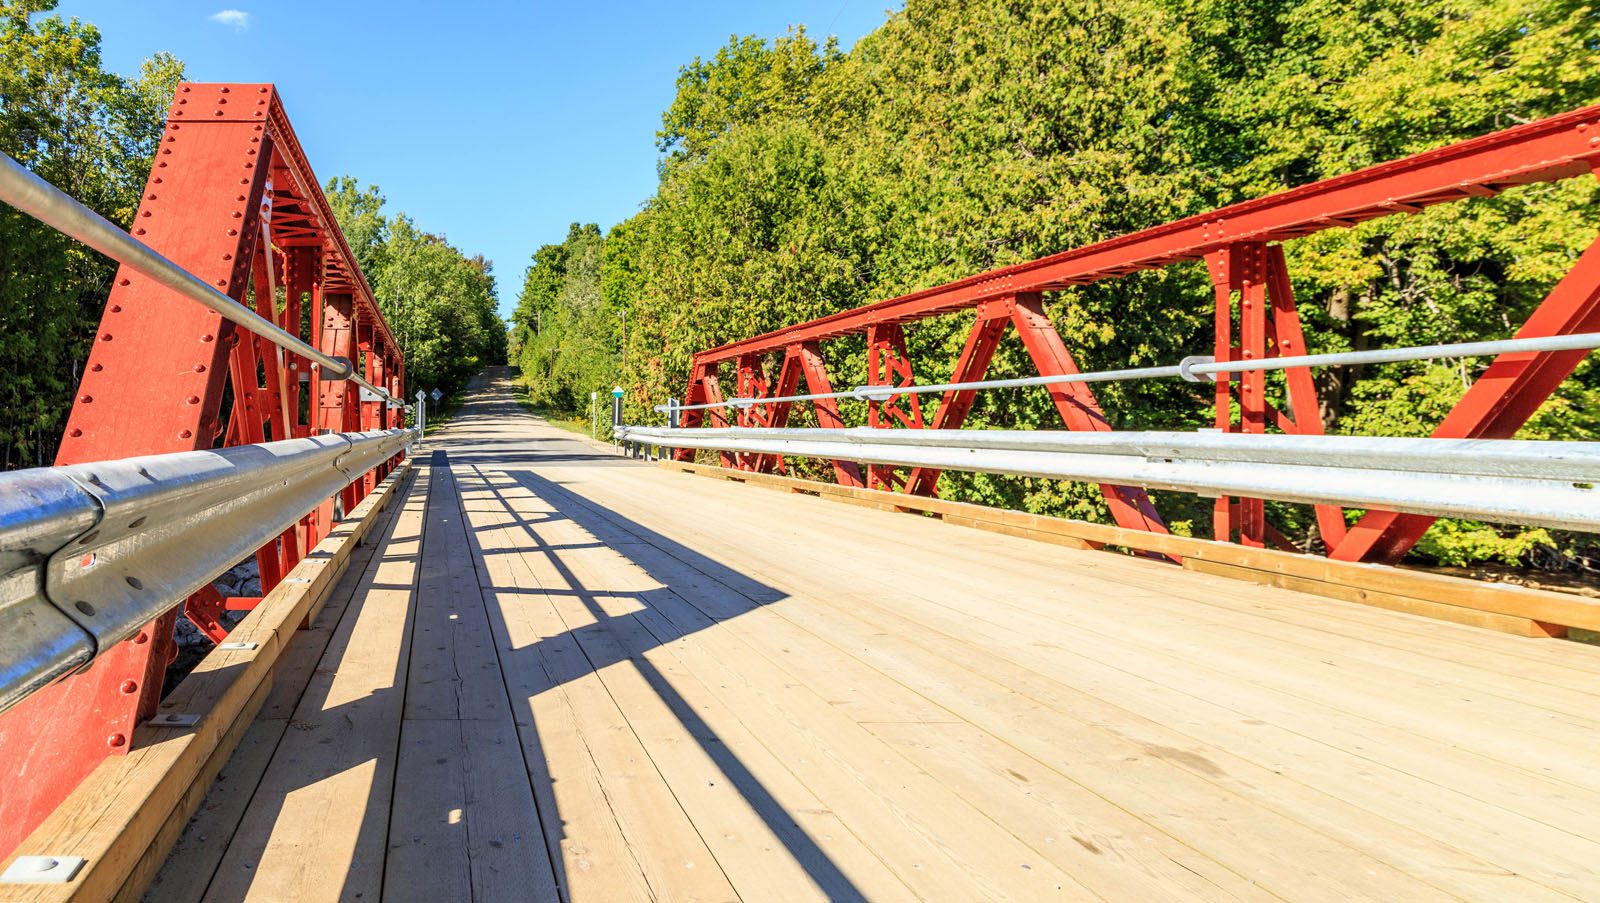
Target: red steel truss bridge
<point>509,663</point>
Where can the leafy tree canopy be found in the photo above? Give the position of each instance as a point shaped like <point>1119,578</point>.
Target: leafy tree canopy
<point>798,180</point>
<point>440,303</point>
<point>93,134</point>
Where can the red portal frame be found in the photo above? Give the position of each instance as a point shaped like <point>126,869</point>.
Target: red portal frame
<point>232,199</point>
<point>1255,318</point>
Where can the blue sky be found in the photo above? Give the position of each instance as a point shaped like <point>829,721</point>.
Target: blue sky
<point>496,124</point>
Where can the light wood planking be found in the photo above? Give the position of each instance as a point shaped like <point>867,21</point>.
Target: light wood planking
<point>1493,781</point>
<point>193,860</point>
<point>463,825</point>
<point>317,825</point>
<point>124,818</point>
<point>642,686</point>
<point>1488,834</point>
<point>1503,607</point>
<point>1281,861</point>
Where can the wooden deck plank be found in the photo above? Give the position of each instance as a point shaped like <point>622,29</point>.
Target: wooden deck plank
<point>1501,661</point>
<point>1429,705</point>
<point>1502,655</point>
<point>661,843</point>
<point>696,628</point>
<point>464,825</point>
<point>188,870</point>
<point>652,686</point>
<point>1190,720</point>
<point>454,672</point>
<point>317,826</point>
<point>1558,855</point>
<point>1283,853</point>
<point>934,842</point>
<point>758,775</point>
<point>732,789</point>
<point>1519,610</point>
<point>1478,714</point>
<point>583,838</point>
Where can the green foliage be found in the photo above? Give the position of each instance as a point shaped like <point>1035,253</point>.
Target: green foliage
<point>440,303</point>
<point>746,81</point>
<point>1464,542</point>
<point>568,335</point>
<point>93,134</point>
<point>799,180</point>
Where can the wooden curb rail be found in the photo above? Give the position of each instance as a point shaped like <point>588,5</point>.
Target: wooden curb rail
<point>1508,609</point>
<point>125,817</point>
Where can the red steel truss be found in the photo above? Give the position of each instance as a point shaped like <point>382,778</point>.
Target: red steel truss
<point>1255,318</point>
<point>232,199</point>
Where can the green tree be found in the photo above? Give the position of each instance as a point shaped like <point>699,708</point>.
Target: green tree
<point>92,134</point>
<point>440,303</point>
<point>962,135</point>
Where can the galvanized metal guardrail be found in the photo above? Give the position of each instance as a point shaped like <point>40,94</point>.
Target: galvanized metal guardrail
<point>92,552</point>
<point>1549,484</point>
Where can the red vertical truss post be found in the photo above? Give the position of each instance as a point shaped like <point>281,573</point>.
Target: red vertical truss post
<point>1498,403</point>
<point>269,280</point>
<point>711,391</point>
<point>153,384</point>
<point>1239,272</point>
<point>301,270</point>
<point>778,412</point>
<point>256,385</point>
<point>367,366</point>
<point>337,400</point>
<point>752,383</point>
<point>1225,351</point>
<point>276,558</point>
<point>398,390</point>
<point>889,365</point>
<point>971,366</point>
<point>704,389</point>
<point>296,285</point>
<point>1257,275</point>
<point>156,381</point>
<point>380,377</point>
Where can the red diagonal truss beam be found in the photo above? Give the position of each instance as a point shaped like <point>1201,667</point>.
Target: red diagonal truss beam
<point>1557,148</point>
<point>1252,286</point>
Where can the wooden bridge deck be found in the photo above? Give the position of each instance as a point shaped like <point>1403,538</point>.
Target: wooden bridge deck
<point>562,672</point>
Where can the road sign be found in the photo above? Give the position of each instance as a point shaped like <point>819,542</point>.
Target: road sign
<point>616,392</point>
<point>436,395</point>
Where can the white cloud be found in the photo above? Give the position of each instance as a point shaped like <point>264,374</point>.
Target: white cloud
<point>238,18</point>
